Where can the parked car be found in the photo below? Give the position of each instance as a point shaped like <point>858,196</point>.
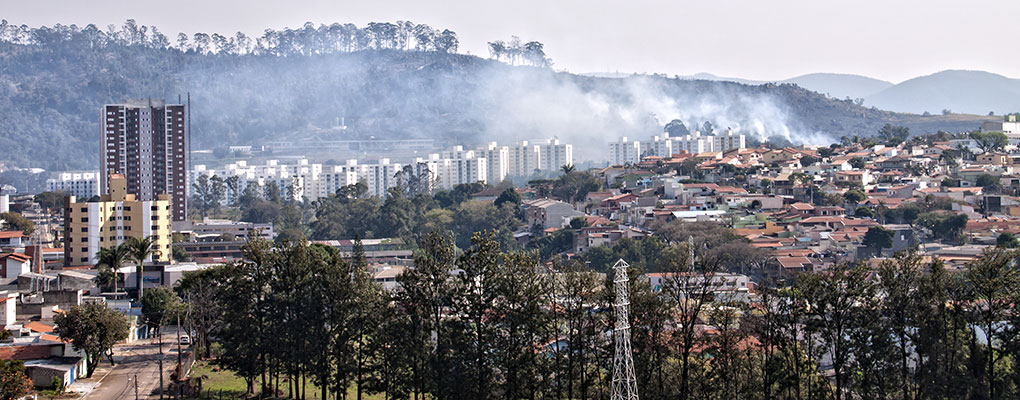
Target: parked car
<point>185,339</point>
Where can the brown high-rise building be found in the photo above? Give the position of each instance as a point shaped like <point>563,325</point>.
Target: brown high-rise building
<point>147,141</point>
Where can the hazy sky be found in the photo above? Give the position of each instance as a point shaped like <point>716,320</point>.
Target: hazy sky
<point>755,39</point>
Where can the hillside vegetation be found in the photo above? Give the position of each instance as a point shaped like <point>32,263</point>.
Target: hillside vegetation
<point>386,80</point>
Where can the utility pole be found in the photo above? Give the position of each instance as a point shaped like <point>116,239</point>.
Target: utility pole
<point>160,338</point>
<point>624,382</point>
<point>178,341</point>
<point>136,386</point>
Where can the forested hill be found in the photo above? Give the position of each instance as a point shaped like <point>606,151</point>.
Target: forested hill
<point>386,80</point>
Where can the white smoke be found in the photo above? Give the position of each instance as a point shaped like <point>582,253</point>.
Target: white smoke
<point>528,104</point>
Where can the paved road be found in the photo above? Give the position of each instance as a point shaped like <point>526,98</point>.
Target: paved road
<point>139,359</point>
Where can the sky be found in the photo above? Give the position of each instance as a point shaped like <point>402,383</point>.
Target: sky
<point>767,40</point>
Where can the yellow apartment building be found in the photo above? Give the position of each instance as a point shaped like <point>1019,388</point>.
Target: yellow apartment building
<point>90,226</point>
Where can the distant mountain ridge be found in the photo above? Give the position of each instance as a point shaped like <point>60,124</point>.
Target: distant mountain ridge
<point>841,85</point>
<point>970,92</point>
<point>958,91</point>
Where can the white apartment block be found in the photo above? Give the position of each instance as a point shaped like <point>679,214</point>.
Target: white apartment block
<point>525,159</point>
<point>453,167</point>
<point>303,180</point>
<point>727,141</point>
<point>82,185</point>
<point>497,160</point>
<point>335,177</point>
<point>624,152</point>
<point>379,175</point>
<point>554,155</point>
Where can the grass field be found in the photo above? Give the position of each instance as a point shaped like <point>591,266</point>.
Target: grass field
<point>220,383</point>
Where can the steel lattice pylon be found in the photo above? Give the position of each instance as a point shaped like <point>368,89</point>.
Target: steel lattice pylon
<point>624,382</point>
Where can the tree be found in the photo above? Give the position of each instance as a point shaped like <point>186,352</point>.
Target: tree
<point>424,293</point>
<point>993,277</point>
<point>140,249</point>
<point>202,289</point>
<point>837,301</point>
<point>864,212</point>
<point>534,54</point>
<point>290,235</point>
<point>676,128</point>
<point>51,200</point>
<point>508,196</point>
<point>943,225</point>
<point>894,134</point>
<point>878,238</point>
<point>109,260</point>
<point>808,160</point>
<point>244,330</point>
<point>14,383</point>
<point>92,328</point>
<point>990,141</point>
<point>159,305</point>
<point>987,181</point>
<point>688,289</point>
<point>1007,240</point>
<point>854,196</point>
<point>14,221</point>
<point>707,129</point>
<point>857,163</point>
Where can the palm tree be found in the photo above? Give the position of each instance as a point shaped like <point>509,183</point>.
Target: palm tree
<point>139,249</point>
<point>567,169</point>
<point>112,258</point>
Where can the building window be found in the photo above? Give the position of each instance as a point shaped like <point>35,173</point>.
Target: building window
<point>83,229</point>
<point>84,249</point>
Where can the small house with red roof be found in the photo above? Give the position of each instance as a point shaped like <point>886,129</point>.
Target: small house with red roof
<point>14,264</point>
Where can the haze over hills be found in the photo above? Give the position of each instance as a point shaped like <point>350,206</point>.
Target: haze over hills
<point>841,85</point>
<point>966,92</point>
<point>971,92</point>
<point>304,80</point>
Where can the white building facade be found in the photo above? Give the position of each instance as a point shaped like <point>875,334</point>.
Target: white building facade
<point>624,151</point>
<point>83,184</point>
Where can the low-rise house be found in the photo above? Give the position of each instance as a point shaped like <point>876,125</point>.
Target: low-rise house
<point>721,286</point>
<point>859,177</point>
<point>13,265</point>
<point>549,213</point>
<point>11,240</point>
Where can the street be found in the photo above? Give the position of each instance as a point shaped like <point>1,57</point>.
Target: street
<point>139,359</point>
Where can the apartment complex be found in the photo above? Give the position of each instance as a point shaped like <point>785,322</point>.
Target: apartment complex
<point>118,215</point>
<point>624,152</point>
<point>444,170</point>
<point>305,180</point>
<point>146,142</point>
<point>452,168</point>
<point>525,158</point>
<point>627,152</point>
<point>82,185</point>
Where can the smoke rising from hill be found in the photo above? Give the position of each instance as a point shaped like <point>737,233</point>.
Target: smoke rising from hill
<point>529,105</point>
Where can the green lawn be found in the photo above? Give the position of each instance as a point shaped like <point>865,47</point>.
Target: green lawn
<point>230,386</point>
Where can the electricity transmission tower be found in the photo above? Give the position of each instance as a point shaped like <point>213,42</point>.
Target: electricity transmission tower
<point>624,382</point>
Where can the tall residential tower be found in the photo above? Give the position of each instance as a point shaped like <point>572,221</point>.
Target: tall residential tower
<point>147,141</point>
